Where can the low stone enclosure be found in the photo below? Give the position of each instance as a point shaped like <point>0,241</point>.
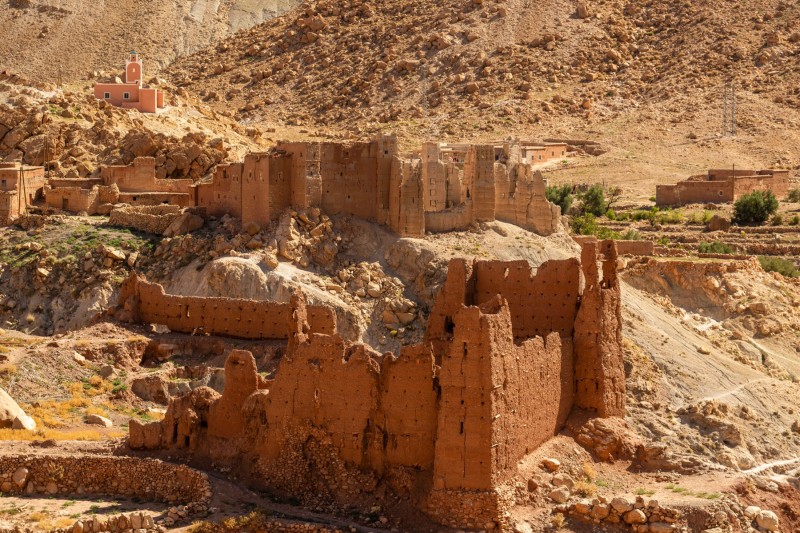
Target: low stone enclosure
<point>93,475</point>
<point>508,354</point>
<point>722,186</point>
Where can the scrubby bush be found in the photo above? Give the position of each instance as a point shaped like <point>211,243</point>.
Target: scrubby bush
<point>594,201</point>
<point>755,208</point>
<point>793,196</point>
<point>777,220</point>
<point>631,235</point>
<point>779,265</point>
<point>794,221</point>
<point>561,196</point>
<point>587,225</point>
<point>715,247</point>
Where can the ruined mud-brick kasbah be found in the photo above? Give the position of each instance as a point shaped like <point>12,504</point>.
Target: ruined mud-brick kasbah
<point>445,422</point>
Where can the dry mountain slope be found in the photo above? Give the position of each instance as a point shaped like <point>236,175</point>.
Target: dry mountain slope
<point>490,67</point>
<point>80,36</point>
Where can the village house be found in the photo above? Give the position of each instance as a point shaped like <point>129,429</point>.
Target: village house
<point>722,186</point>
<point>20,186</point>
<point>130,93</point>
<point>134,184</point>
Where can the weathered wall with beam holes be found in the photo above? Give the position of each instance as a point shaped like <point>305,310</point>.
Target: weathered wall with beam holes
<point>508,354</point>
<point>245,319</point>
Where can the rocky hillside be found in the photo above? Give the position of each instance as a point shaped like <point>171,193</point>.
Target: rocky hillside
<point>483,67</point>
<point>75,133</point>
<point>79,37</point>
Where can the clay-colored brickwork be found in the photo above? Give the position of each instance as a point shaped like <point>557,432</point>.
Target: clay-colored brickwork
<point>20,187</point>
<point>134,184</point>
<point>508,354</point>
<point>723,185</point>
<point>247,319</point>
<point>371,181</point>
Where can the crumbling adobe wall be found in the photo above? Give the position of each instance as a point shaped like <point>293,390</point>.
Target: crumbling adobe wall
<point>520,195</point>
<point>778,184</point>
<point>140,176</point>
<point>453,219</point>
<point>599,369</point>
<point>692,192</point>
<point>247,319</point>
<point>490,382</point>
<point>555,288</point>
<point>72,199</point>
<point>406,211</point>
<point>479,178</point>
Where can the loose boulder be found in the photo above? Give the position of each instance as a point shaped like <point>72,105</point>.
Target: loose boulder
<point>9,410</point>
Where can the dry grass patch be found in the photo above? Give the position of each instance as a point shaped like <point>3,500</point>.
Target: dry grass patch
<point>55,434</point>
<point>60,413</point>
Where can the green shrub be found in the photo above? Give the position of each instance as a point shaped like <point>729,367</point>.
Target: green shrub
<point>777,264</point>
<point>587,225</point>
<point>631,235</point>
<point>715,247</point>
<point>795,220</point>
<point>755,208</point>
<point>777,220</point>
<point>670,216</point>
<point>561,196</point>
<point>793,196</point>
<point>611,214</point>
<point>594,201</point>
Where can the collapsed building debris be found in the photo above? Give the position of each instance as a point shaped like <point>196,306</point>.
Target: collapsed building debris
<point>494,378</point>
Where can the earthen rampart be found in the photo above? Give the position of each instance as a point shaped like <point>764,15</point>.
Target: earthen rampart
<point>246,319</point>
<point>508,354</point>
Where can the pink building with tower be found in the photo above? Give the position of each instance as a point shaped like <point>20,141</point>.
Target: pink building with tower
<point>131,93</point>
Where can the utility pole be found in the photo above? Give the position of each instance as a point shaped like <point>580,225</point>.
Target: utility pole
<point>729,110</point>
<point>424,90</point>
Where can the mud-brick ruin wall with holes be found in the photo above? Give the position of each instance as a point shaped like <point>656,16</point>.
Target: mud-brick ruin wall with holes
<point>508,354</point>
<point>365,179</point>
<point>723,185</point>
<point>369,180</point>
<point>246,319</point>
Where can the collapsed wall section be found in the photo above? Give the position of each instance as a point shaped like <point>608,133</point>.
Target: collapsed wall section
<point>599,369</point>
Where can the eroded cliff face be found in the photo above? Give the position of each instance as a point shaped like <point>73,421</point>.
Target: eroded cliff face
<point>493,379</point>
<point>95,36</point>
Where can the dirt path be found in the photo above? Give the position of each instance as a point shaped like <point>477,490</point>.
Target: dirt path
<point>761,468</point>
<point>734,391</point>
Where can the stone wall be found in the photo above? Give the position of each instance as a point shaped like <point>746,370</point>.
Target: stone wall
<point>106,476</point>
<point>247,319</point>
<point>507,355</point>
